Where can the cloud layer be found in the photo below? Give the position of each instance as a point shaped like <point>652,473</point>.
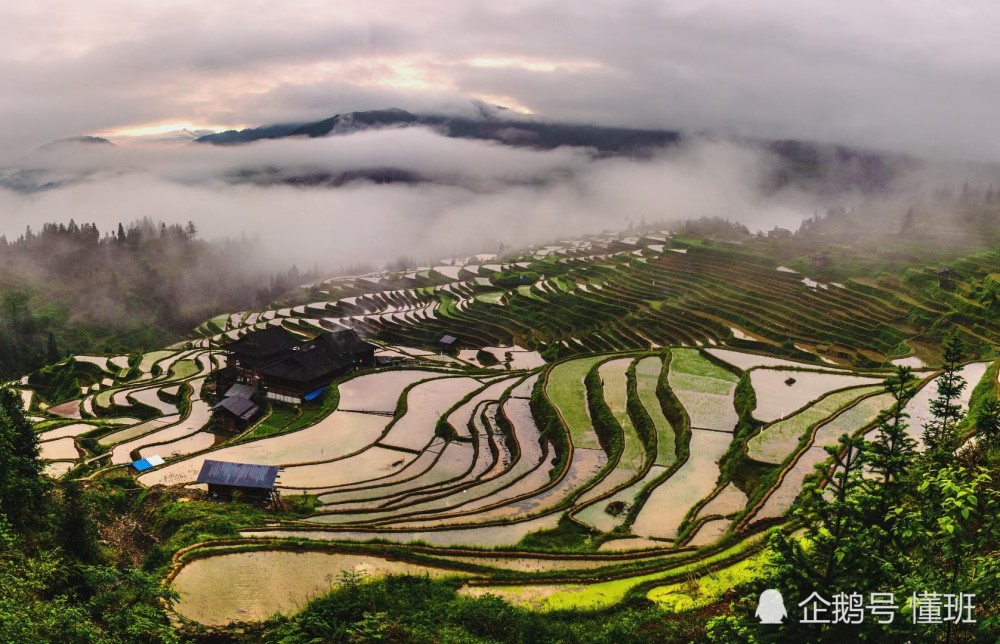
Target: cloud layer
<point>477,194</point>
<point>913,76</point>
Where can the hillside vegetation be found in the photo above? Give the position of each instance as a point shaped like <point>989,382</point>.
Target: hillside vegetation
<point>666,426</point>
<point>69,289</point>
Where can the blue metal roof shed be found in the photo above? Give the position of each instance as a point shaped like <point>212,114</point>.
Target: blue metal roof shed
<point>259,477</point>
<point>144,464</point>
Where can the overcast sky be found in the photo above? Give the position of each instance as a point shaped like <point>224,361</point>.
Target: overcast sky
<point>915,75</point>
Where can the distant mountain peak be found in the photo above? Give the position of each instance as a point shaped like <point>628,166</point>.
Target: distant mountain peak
<point>87,140</point>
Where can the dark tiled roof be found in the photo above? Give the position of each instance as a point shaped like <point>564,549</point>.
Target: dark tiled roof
<point>307,366</point>
<point>238,474</point>
<point>240,390</point>
<point>225,372</point>
<point>264,343</point>
<point>241,407</point>
<point>343,341</point>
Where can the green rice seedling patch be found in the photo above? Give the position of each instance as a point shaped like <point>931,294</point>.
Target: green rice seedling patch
<point>275,422</point>
<point>184,369</point>
<point>710,587</point>
<point>774,443</point>
<point>493,297</point>
<point>151,358</point>
<point>704,389</point>
<point>690,361</point>
<point>602,594</point>
<point>566,391</point>
<point>700,384</point>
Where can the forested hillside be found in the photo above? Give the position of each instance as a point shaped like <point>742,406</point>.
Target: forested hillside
<point>70,289</point>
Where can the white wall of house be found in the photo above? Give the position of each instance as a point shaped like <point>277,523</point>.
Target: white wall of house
<point>282,398</point>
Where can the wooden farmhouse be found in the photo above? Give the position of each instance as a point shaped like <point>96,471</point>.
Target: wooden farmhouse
<point>239,481</point>
<point>236,410</point>
<point>294,370</point>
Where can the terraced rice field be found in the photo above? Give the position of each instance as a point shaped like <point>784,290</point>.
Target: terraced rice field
<point>72,430</point>
<point>664,510</point>
<point>613,376</point>
<point>781,392</point>
<point>379,391</point>
<point>647,373</point>
<point>919,407</point>
<point>776,441</point>
<point>57,469</point>
<point>465,459</point>
<point>748,361</point>
<point>565,389</point>
<point>251,586</point>
<point>336,436</point>
<point>706,588</point>
<point>426,403</point>
<point>59,449</point>
<point>704,389</point>
<point>849,421</point>
<point>594,596</point>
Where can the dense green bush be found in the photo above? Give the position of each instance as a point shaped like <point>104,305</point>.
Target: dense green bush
<point>408,609</point>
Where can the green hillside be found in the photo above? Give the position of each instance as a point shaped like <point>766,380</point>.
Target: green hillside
<point>630,439</point>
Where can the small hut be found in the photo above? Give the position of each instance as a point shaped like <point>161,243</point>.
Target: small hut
<point>240,481</point>
<point>820,261</point>
<point>946,278</point>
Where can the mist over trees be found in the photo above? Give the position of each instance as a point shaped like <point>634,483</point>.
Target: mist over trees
<point>69,288</point>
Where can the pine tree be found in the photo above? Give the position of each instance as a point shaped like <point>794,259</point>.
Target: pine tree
<point>76,529</point>
<point>892,450</point>
<point>941,434</point>
<point>22,487</point>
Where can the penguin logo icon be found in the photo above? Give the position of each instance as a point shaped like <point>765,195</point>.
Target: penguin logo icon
<point>771,608</point>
